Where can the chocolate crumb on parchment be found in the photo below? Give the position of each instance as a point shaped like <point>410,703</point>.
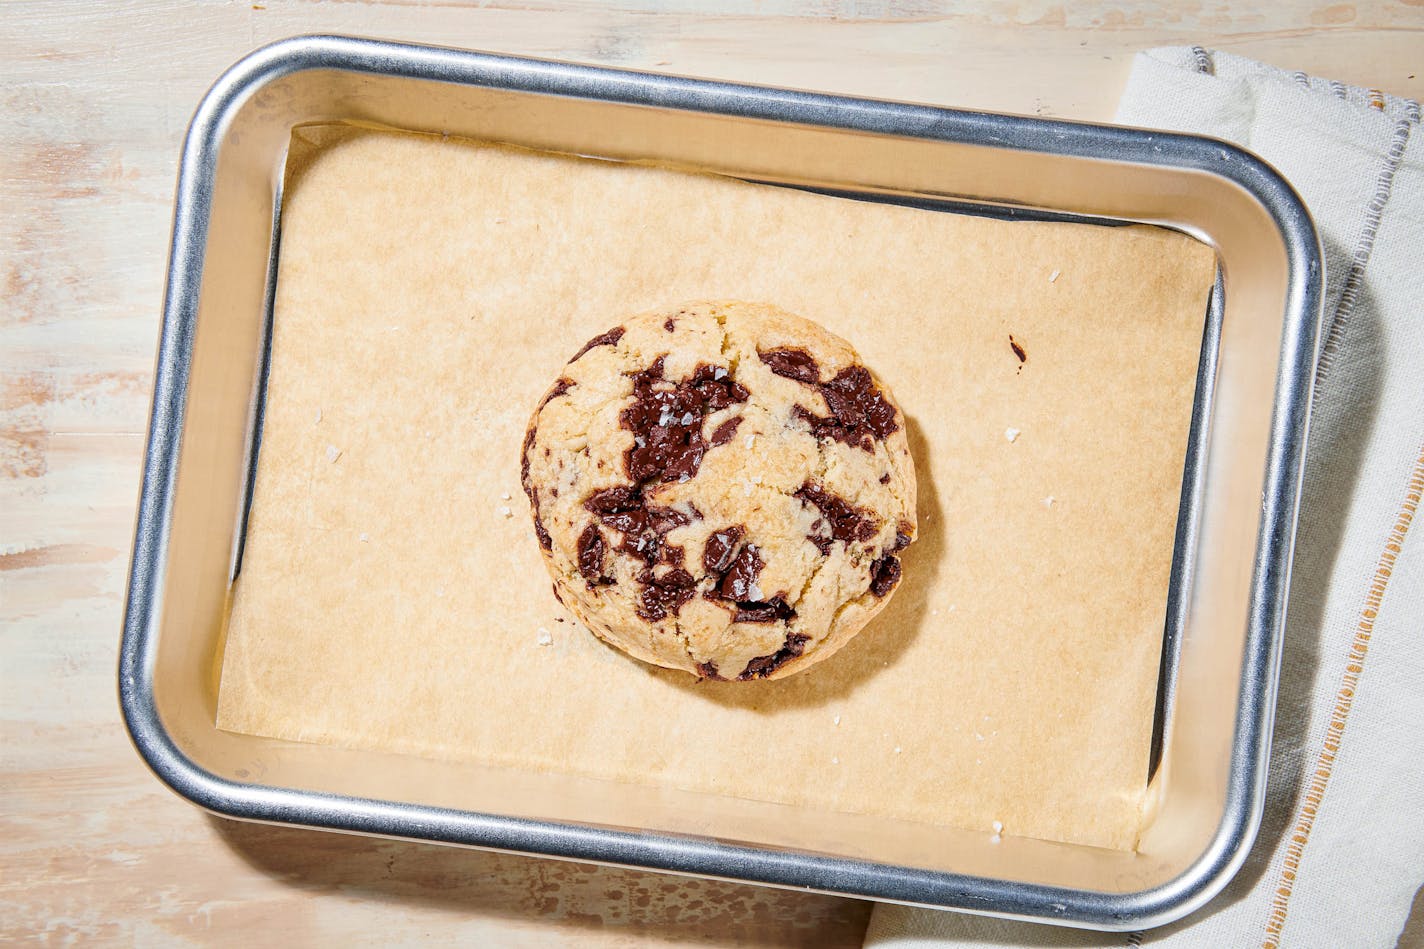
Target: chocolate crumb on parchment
<point>859,413</point>
<point>609,338</point>
<point>1018,349</point>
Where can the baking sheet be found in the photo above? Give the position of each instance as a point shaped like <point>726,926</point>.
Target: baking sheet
<point>392,595</point>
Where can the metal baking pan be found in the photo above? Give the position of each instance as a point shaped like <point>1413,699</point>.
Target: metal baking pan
<point>1233,545</point>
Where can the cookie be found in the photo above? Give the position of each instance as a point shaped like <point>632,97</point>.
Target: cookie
<point>721,488</point>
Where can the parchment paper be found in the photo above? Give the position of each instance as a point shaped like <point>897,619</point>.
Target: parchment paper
<point>392,595</point>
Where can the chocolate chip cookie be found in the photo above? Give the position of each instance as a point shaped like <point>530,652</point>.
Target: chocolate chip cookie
<point>721,488</point>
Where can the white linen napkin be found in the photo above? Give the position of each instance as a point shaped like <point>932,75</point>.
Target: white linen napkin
<point>1340,855</point>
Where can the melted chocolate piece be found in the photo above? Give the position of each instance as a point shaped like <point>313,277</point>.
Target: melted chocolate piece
<point>741,576</point>
<point>532,493</point>
<point>1019,351</point>
<point>666,420</point>
<point>884,574</point>
<point>609,338</point>
<point>708,670</point>
<point>771,611</point>
<point>846,522</point>
<point>763,666</point>
<point>885,478</point>
<point>860,415</point>
<point>793,364</point>
<point>545,540</point>
<point>591,549</point>
<point>721,546</point>
<point>669,324</point>
<point>726,431</point>
<point>665,594</point>
<point>624,509</point>
<point>560,387</point>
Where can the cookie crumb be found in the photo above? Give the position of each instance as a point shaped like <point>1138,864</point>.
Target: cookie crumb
<point>505,511</point>
<point>332,453</point>
<point>836,720</point>
<point>545,637</point>
<point>897,749</point>
<point>1048,501</point>
<point>1012,434</point>
<point>504,496</point>
<point>1053,277</point>
<point>365,537</point>
<point>998,826</point>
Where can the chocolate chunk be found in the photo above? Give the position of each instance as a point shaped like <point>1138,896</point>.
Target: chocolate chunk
<point>669,324</point>
<point>737,583</point>
<point>726,431</point>
<point>720,547</point>
<point>624,509</point>
<point>904,535</point>
<point>717,388</point>
<point>846,522</point>
<point>562,386</point>
<point>885,478</point>
<point>666,420</point>
<point>590,555</point>
<point>625,497</point>
<point>1019,351</point>
<point>763,666</point>
<point>665,594</point>
<point>524,462</point>
<point>545,540</point>
<point>860,415</point>
<point>671,554</point>
<point>884,574</point>
<point>793,364</point>
<point>609,338</point>
<point>771,611</point>
<point>708,670</point>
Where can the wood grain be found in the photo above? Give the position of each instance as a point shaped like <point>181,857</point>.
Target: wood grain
<point>93,104</point>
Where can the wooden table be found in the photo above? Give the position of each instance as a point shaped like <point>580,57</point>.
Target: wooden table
<point>95,100</point>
